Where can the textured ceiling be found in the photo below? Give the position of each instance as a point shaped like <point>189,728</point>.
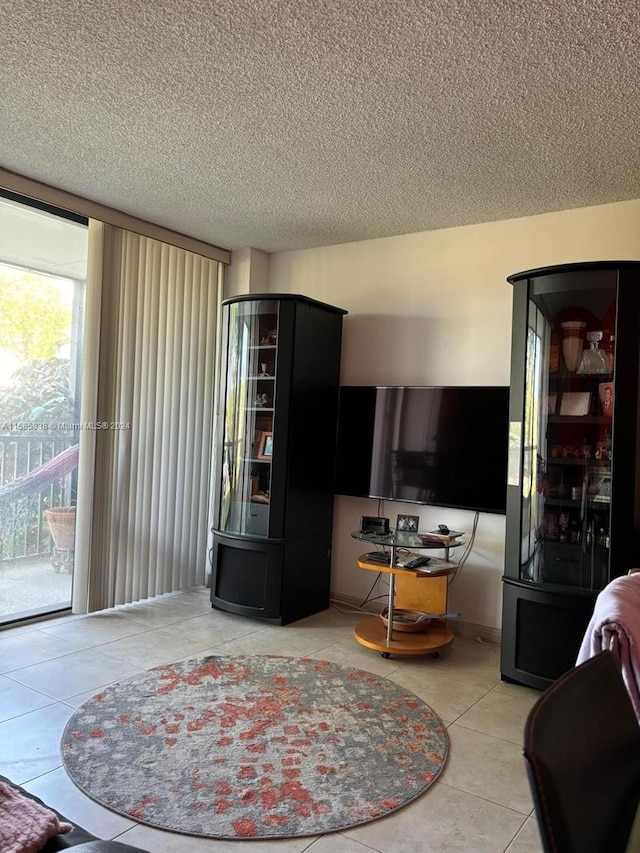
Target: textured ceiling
<point>283,124</point>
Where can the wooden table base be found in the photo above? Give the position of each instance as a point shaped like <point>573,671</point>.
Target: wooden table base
<point>372,633</point>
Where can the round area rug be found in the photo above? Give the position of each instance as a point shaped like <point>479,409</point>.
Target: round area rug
<point>254,747</point>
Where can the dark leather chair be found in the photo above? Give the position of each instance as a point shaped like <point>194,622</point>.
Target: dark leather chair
<point>582,751</point>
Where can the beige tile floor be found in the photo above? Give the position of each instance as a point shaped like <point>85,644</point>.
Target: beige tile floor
<point>480,804</point>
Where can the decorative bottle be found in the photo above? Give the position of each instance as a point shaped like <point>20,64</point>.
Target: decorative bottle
<point>593,359</point>
<point>611,352</point>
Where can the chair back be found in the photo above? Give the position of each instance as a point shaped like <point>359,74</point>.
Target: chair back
<point>582,751</point>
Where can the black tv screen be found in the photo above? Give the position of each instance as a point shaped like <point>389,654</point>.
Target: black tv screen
<point>437,446</point>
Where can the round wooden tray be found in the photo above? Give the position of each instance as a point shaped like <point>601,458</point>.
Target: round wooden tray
<point>406,620</point>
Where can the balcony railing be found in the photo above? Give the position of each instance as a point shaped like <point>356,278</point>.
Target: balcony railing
<point>31,482</point>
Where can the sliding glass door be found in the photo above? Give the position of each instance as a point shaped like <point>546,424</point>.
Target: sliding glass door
<point>42,285</point>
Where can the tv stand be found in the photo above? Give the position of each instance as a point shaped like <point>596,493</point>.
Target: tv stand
<point>424,589</point>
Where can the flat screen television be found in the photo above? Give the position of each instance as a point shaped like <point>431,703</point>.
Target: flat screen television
<point>437,446</point>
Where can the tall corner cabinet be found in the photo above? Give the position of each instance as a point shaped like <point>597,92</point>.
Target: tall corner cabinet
<point>275,452</point>
<point>573,494</point>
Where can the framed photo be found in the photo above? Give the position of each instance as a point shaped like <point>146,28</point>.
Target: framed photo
<point>575,403</point>
<point>599,484</point>
<point>605,393</point>
<point>408,523</point>
<point>265,447</point>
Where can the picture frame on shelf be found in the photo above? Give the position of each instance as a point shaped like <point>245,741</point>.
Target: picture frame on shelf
<point>605,394</point>
<point>575,403</point>
<point>599,484</point>
<point>407,523</point>
<point>265,446</point>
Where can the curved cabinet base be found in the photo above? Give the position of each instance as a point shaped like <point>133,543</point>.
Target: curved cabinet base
<point>277,582</point>
<point>542,630</point>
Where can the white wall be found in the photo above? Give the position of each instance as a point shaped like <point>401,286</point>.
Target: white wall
<point>435,308</point>
<point>248,272</point>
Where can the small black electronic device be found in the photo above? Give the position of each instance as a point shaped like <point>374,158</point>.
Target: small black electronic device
<point>410,560</point>
<point>378,557</point>
<point>417,562</point>
<point>443,529</point>
<point>374,524</point>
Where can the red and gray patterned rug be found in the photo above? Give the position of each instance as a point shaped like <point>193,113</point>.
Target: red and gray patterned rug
<point>254,747</point>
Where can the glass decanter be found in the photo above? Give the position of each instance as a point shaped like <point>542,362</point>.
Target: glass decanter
<point>593,359</point>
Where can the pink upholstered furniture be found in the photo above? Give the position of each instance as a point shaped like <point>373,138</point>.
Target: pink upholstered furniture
<point>615,626</point>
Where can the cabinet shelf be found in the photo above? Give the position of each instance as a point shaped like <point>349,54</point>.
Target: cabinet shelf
<point>579,419</point>
<point>372,633</point>
<point>571,461</point>
<point>592,502</point>
<point>578,461</point>
<point>570,548</point>
<point>578,379</point>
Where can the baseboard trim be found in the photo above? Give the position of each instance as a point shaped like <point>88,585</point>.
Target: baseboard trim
<point>349,601</point>
<point>484,633</point>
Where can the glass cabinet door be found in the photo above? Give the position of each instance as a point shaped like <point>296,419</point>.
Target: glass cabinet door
<point>568,429</point>
<point>248,437</point>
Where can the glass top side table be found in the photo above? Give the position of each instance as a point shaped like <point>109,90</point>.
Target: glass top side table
<point>424,588</point>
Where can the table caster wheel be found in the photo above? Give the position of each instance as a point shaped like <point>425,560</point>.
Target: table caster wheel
<point>435,655</point>
<point>385,655</point>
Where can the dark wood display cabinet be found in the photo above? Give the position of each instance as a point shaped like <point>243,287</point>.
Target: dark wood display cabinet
<point>275,452</point>
<point>573,494</point>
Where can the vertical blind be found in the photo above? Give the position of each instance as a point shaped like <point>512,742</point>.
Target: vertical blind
<point>146,529</point>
